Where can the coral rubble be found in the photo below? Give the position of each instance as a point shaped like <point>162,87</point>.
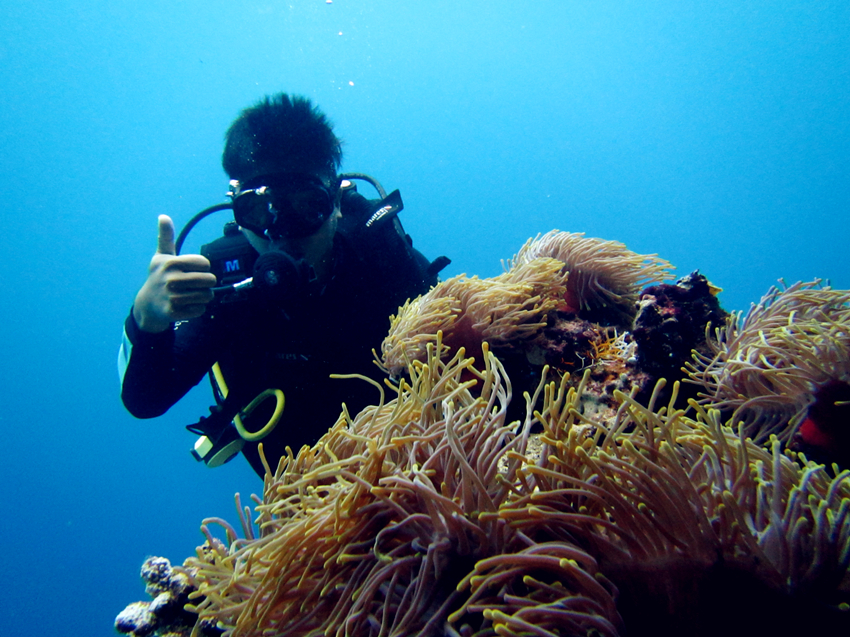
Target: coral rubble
<point>165,613</point>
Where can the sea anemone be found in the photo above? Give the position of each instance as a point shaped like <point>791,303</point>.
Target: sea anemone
<point>767,367</point>
<point>387,523</point>
<point>431,515</point>
<point>683,512</point>
<point>504,311</point>
<point>605,276</point>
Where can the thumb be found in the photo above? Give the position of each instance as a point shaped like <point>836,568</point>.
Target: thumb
<point>165,239</point>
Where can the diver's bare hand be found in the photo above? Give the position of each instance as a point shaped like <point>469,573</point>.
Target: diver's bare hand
<point>177,288</point>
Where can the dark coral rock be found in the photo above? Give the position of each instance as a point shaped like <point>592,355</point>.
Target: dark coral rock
<point>619,315</point>
<point>572,345</point>
<point>567,342</point>
<point>672,321</point>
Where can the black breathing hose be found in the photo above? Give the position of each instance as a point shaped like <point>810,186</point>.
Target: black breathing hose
<point>194,221</point>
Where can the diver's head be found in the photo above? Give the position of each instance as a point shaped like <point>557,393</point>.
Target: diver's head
<point>281,134</point>
<point>282,157</point>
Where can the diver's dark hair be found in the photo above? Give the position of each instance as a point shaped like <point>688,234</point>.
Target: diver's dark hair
<point>281,128</point>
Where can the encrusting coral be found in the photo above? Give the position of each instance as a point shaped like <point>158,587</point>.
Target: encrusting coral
<point>604,503</point>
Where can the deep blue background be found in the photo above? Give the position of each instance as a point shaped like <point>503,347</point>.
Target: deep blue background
<point>715,134</point>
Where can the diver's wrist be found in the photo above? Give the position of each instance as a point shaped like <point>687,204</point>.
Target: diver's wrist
<point>146,323</point>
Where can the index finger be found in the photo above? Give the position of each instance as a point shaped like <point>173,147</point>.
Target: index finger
<point>191,263</point>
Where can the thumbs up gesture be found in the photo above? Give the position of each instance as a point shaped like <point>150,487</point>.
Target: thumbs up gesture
<point>177,288</point>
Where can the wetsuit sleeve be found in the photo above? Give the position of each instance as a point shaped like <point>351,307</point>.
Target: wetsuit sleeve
<point>156,370</point>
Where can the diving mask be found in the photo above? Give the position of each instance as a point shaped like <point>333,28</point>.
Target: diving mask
<point>282,205</point>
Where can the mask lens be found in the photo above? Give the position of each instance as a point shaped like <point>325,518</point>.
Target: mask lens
<point>309,205</point>
<point>251,209</point>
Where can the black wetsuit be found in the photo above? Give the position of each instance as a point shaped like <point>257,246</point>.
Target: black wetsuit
<point>295,348</point>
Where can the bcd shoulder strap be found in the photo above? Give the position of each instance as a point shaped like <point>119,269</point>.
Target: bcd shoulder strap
<point>374,227</point>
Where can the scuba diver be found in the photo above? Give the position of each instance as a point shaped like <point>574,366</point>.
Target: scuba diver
<point>300,287</point>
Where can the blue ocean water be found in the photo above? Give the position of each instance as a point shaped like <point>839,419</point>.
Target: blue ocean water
<point>716,135</point>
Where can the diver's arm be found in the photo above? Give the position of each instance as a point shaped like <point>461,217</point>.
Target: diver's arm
<point>156,367</point>
<point>156,370</point>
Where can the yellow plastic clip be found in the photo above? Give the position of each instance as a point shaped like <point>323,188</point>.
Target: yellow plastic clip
<point>266,429</point>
